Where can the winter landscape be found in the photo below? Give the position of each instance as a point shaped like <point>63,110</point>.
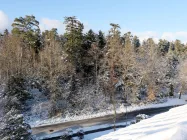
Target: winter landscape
<point>93,70</point>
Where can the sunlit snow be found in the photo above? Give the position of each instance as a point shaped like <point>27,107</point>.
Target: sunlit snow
<point>171,125</point>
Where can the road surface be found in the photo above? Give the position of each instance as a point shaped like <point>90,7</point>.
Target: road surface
<point>49,129</point>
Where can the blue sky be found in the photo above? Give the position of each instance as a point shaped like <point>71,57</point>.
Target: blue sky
<point>146,18</point>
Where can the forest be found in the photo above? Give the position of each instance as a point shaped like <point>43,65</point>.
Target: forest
<point>81,72</point>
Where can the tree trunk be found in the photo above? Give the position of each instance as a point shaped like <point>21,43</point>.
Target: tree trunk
<point>180,95</point>
<point>114,119</point>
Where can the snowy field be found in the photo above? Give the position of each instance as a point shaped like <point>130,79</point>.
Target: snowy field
<point>171,125</point>
<point>121,109</point>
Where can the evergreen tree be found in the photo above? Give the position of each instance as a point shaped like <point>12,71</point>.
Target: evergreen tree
<point>173,62</point>
<point>91,36</point>
<point>16,93</point>
<point>127,38</point>
<point>4,36</point>
<point>179,48</point>
<point>74,40</point>
<point>6,33</point>
<point>113,62</point>
<point>136,43</point>
<point>1,39</point>
<point>101,40</point>
<point>163,46</point>
<point>130,72</point>
<point>28,29</point>
<point>50,34</point>
<point>14,127</point>
<point>171,50</point>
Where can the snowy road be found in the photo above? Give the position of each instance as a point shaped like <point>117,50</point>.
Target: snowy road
<point>57,129</point>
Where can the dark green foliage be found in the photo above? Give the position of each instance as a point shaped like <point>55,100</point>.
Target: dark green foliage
<point>90,36</point>
<point>171,46</point>
<point>89,39</point>
<point>48,34</point>
<point>1,37</point>
<point>136,43</point>
<point>28,29</point>
<point>179,48</point>
<point>171,92</point>
<point>127,39</point>
<point>16,93</point>
<point>163,46</point>
<point>4,36</point>
<point>74,40</point>
<point>92,53</point>
<point>173,62</point>
<point>101,40</point>
<point>6,33</point>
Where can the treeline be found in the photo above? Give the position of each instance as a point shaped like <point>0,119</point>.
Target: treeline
<point>87,71</point>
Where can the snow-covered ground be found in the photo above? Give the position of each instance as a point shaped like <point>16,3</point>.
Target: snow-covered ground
<point>171,125</point>
<point>121,109</point>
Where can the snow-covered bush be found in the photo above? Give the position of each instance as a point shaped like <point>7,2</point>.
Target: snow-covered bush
<point>13,127</point>
<point>38,107</point>
<point>141,117</point>
<point>14,97</point>
<point>88,100</point>
<point>67,135</point>
<point>16,93</point>
<point>80,134</point>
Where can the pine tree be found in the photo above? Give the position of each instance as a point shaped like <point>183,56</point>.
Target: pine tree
<point>113,62</point>
<point>163,46</point>
<point>16,93</point>
<point>130,72</point>
<point>74,40</point>
<point>127,39</point>
<point>136,43</point>
<point>50,34</point>
<point>179,48</point>
<point>6,33</point>
<point>90,36</point>
<point>28,29</point>
<point>101,40</point>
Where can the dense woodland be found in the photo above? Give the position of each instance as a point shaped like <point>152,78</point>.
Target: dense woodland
<point>81,72</point>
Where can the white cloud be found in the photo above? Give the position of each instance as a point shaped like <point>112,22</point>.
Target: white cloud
<point>4,21</point>
<point>170,36</point>
<point>147,34</point>
<point>47,24</point>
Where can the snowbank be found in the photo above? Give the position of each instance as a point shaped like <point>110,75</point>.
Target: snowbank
<point>171,125</point>
<point>121,109</point>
